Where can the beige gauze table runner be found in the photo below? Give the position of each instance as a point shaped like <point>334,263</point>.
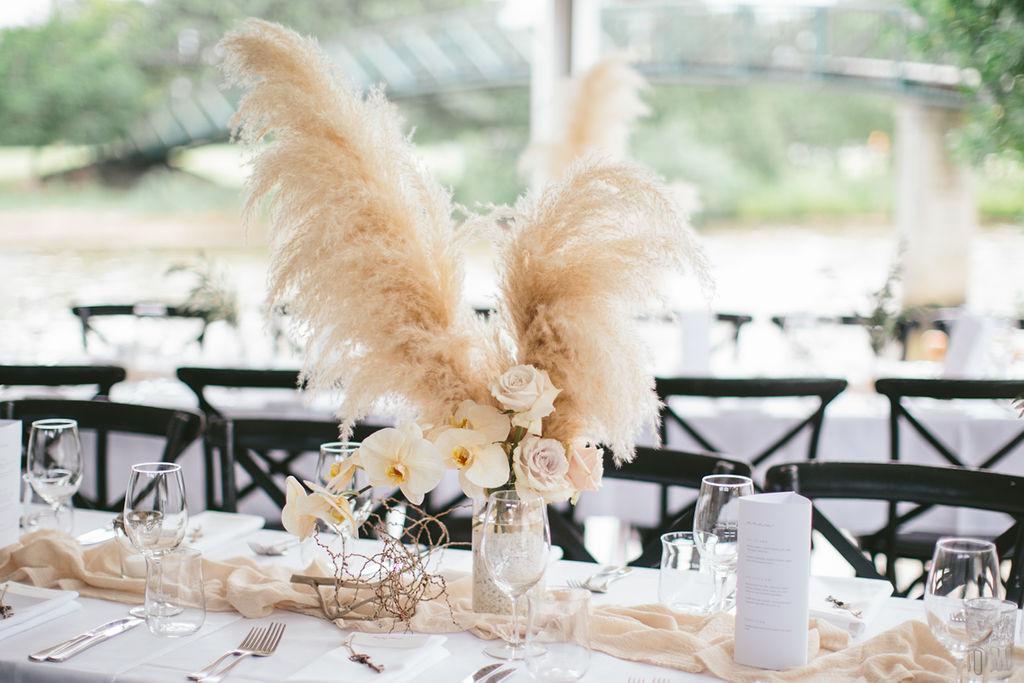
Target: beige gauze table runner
<point>651,633</point>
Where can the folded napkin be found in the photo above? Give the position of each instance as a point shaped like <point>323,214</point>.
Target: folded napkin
<point>402,655</point>
<point>32,606</point>
<point>863,598</point>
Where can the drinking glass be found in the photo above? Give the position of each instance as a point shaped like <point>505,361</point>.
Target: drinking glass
<point>683,585</point>
<point>515,544</point>
<point>155,519</point>
<point>558,634</point>
<point>962,569</point>
<point>715,527</point>
<point>336,453</point>
<point>182,585</point>
<point>54,466</point>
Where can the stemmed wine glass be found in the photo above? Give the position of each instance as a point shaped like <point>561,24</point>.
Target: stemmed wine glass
<point>515,544</point>
<point>715,527</point>
<point>962,569</point>
<point>155,520</point>
<point>336,453</point>
<point>54,466</point>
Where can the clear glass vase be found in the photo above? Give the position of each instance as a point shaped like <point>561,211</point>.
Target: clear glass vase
<point>487,597</point>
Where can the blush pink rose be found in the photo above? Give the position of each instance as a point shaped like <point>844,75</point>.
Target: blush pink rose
<point>586,465</point>
<point>541,467</point>
<point>528,393</point>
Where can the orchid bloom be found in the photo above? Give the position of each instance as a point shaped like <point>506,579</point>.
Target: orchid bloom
<point>301,510</point>
<point>400,456</point>
<point>474,447</point>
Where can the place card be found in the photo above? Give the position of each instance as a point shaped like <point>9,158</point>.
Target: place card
<point>10,480</point>
<point>772,578</point>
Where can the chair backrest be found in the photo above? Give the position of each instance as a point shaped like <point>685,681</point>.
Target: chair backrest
<point>897,390</point>
<point>198,379</point>
<point>668,468</point>
<point>823,389</point>
<point>87,315</point>
<point>907,483</point>
<point>264,451</point>
<point>175,429</point>
<point>103,376</point>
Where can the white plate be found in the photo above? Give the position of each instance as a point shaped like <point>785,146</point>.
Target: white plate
<point>32,606</point>
<point>866,596</point>
<point>210,529</point>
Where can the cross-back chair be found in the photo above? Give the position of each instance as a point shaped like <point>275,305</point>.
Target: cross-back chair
<point>172,431</point>
<point>102,376</point>
<point>266,450</point>
<point>670,468</point>
<point>901,393</point>
<point>87,316</point>
<point>894,483</point>
<point>824,390</point>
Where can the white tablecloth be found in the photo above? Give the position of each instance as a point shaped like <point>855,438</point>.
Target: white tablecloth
<point>140,657</point>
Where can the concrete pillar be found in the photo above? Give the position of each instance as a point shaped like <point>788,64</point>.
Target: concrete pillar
<point>550,66</point>
<point>936,213</point>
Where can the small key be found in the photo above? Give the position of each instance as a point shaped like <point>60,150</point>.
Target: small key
<point>361,658</point>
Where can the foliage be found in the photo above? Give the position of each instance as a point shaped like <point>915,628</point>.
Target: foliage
<point>211,296</point>
<point>988,37</point>
<point>67,80</point>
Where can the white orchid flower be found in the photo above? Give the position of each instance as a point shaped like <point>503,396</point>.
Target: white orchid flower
<point>400,456</point>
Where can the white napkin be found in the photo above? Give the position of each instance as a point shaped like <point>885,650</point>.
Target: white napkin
<point>403,656</point>
<point>33,606</point>
<point>863,596</point>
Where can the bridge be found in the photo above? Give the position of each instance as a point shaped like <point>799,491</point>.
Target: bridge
<point>866,48</point>
<point>861,48</point>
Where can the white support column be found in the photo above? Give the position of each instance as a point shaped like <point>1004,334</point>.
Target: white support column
<point>552,58</point>
<point>936,212</point>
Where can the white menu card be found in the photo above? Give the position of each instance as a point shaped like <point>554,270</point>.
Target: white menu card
<point>10,480</point>
<point>772,578</point>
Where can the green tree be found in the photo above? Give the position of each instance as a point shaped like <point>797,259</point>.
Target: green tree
<point>67,80</point>
<point>988,37</point>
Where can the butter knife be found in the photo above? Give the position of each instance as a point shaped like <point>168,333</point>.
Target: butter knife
<point>86,640</point>
<point>482,672</point>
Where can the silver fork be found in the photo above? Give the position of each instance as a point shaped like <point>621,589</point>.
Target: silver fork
<point>266,645</point>
<point>599,582</point>
<point>253,637</point>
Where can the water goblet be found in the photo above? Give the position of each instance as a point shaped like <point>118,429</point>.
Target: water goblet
<point>155,520</point>
<point>332,458</point>
<point>515,545</point>
<point>715,528</point>
<point>54,466</point>
<point>962,569</point>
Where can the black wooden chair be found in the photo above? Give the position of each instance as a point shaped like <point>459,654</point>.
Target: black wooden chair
<point>87,316</point>
<point>669,468</point>
<point>265,450</point>
<point>894,483</point>
<point>823,390</point>
<point>199,379</point>
<point>102,376</point>
<point>901,394</point>
<point>172,431</point>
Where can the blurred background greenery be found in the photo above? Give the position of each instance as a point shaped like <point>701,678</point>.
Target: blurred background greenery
<point>86,74</point>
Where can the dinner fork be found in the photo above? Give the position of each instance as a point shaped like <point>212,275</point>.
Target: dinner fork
<point>599,582</point>
<point>266,646</point>
<point>251,640</point>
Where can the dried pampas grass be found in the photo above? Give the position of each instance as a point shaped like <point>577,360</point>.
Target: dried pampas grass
<point>599,109</point>
<point>365,253</point>
<point>368,259</point>
<point>580,265</point>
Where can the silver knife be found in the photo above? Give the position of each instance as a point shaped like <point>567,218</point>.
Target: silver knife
<point>95,536</point>
<point>88,639</point>
<point>500,676</point>
<point>482,672</point>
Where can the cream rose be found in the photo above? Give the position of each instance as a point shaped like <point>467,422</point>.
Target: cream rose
<point>586,465</point>
<point>541,467</point>
<point>528,393</point>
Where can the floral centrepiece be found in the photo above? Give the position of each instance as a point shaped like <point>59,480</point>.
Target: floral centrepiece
<point>367,256</point>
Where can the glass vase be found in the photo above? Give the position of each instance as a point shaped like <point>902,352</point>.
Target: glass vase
<point>487,597</point>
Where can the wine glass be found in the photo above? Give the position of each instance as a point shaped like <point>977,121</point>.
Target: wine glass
<point>515,544</point>
<point>716,526</point>
<point>155,520</point>
<point>962,569</point>
<point>54,466</point>
<point>337,453</point>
